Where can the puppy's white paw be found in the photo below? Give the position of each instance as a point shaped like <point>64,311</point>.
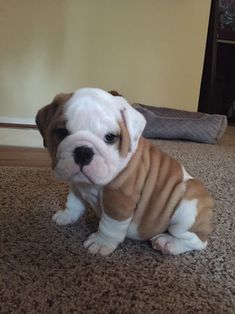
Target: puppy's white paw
<point>97,245</point>
<point>167,244</point>
<point>64,217</point>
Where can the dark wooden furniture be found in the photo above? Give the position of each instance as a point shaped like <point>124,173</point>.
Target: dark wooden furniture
<point>217,92</point>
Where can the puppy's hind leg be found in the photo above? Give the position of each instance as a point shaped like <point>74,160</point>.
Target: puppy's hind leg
<point>181,237</point>
<point>169,244</point>
<point>73,211</point>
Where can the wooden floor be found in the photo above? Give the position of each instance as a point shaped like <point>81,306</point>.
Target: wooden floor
<point>24,156</point>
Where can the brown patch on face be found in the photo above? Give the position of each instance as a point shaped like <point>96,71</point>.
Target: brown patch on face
<point>125,142</point>
<point>49,118</point>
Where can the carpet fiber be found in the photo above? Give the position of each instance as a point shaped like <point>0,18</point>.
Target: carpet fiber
<point>45,269</point>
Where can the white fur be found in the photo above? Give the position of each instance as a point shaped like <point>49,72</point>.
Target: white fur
<point>73,211</point>
<point>132,231</point>
<point>186,175</point>
<point>110,233</point>
<point>184,217</point>
<point>178,239</point>
<point>169,244</point>
<point>102,168</point>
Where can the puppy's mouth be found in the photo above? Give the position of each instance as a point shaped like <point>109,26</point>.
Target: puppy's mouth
<point>81,176</point>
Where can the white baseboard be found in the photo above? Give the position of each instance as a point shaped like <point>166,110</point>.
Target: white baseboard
<point>15,120</point>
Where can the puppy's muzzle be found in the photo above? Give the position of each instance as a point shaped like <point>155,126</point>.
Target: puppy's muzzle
<point>83,155</point>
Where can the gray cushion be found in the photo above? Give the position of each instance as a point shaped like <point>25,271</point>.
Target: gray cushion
<point>167,123</point>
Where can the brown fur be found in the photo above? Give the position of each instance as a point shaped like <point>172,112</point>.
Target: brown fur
<point>124,145</point>
<point>121,195</point>
<point>50,117</point>
<point>150,188</point>
<point>114,93</point>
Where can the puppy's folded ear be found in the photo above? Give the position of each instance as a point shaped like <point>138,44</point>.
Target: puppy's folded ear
<point>133,120</point>
<point>46,114</point>
<point>114,93</point>
<point>43,118</point>
<point>125,141</point>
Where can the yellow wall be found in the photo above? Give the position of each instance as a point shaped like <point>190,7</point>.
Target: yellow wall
<point>149,50</point>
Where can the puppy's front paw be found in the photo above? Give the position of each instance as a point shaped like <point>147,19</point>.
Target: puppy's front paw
<point>63,217</point>
<point>97,245</point>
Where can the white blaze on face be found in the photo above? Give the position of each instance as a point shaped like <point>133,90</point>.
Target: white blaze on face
<point>91,114</point>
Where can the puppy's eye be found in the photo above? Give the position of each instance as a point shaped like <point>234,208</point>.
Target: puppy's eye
<point>61,133</point>
<point>110,138</point>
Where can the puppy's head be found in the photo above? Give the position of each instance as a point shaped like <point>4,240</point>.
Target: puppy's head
<point>90,134</point>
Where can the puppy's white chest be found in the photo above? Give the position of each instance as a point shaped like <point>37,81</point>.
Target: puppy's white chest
<point>92,195</point>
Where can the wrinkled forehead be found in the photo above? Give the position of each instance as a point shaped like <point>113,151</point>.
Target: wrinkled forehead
<point>94,111</point>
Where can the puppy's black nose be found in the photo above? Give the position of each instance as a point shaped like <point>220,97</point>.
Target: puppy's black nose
<point>83,155</point>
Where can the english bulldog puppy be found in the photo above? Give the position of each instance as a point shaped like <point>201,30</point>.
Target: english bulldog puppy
<point>137,191</point>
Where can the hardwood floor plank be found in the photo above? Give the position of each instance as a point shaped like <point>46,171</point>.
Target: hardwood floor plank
<point>24,156</point>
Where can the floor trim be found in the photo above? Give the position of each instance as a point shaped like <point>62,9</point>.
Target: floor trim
<point>16,125</point>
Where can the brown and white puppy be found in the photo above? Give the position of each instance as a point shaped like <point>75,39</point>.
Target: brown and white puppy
<point>137,191</point>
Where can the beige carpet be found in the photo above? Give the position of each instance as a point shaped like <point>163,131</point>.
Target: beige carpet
<point>45,269</point>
